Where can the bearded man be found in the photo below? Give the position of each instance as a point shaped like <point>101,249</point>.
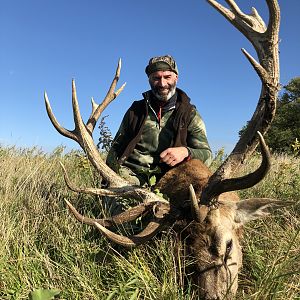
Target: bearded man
<point>161,130</point>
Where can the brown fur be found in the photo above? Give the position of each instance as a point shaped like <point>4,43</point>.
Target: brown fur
<point>204,242</point>
<point>175,182</point>
<point>211,240</point>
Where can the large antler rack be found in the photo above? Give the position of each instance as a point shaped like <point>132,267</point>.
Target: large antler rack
<point>118,187</point>
<point>82,134</point>
<point>265,41</point>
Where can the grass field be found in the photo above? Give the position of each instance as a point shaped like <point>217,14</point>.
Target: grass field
<point>42,246</point>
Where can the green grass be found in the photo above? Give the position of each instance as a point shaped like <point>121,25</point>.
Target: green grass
<point>42,246</point>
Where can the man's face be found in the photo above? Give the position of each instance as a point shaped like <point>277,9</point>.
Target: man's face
<point>163,84</point>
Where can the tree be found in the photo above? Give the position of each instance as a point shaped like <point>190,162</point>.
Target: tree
<point>105,139</point>
<point>285,129</point>
<point>284,133</point>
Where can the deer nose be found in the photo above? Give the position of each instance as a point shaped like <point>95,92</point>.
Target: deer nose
<point>214,298</point>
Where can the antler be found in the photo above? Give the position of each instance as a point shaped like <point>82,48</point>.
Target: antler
<point>118,187</point>
<point>265,41</point>
<point>82,134</point>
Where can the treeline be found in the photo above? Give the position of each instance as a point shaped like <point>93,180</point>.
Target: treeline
<point>284,133</point>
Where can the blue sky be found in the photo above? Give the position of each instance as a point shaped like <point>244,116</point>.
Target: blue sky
<point>44,44</point>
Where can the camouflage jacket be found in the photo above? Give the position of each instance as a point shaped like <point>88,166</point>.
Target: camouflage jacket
<point>142,135</point>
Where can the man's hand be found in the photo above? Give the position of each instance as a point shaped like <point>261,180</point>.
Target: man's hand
<point>173,156</point>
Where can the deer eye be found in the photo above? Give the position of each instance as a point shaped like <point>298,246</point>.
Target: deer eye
<point>229,245</point>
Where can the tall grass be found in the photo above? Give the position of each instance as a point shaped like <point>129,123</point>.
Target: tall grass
<point>42,246</point>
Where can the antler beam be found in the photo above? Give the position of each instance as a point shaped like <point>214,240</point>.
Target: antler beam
<point>265,41</point>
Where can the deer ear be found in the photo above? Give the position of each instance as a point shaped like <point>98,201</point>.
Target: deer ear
<point>255,208</point>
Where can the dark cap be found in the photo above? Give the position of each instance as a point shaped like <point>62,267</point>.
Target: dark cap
<point>161,63</point>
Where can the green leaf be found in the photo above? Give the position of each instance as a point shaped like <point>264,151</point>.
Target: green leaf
<point>152,180</point>
<point>42,294</point>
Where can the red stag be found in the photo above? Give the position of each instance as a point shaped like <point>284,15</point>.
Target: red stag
<point>203,203</point>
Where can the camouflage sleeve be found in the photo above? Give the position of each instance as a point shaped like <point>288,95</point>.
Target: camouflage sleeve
<point>117,143</point>
<point>197,142</point>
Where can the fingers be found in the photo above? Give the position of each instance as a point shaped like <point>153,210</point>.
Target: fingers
<point>170,160</point>
<point>173,156</point>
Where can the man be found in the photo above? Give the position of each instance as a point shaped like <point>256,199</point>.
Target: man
<point>161,130</point>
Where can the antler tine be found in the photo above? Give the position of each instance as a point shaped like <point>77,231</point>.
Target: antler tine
<point>79,124</point>
<point>148,233</point>
<point>234,7</point>
<point>265,42</point>
<point>254,20</point>
<point>121,192</point>
<point>197,214</point>
<point>217,187</point>
<point>110,96</point>
<point>152,228</point>
<point>229,15</point>
<point>94,105</point>
<point>250,25</point>
<point>124,217</point>
<point>260,70</point>
<point>55,123</point>
<point>274,21</point>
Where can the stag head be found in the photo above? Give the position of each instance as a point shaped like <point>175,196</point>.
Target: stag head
<point>209,217</point>
<point>211,234</point>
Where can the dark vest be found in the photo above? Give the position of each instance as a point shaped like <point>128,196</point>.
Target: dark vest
<point>138,112</point>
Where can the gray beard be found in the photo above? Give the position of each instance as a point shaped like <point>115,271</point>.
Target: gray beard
<point>167,97</point>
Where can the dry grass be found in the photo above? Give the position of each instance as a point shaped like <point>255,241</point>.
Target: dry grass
<point>43,247</point>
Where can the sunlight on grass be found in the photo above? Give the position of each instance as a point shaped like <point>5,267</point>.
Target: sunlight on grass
<point>43,247</point>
